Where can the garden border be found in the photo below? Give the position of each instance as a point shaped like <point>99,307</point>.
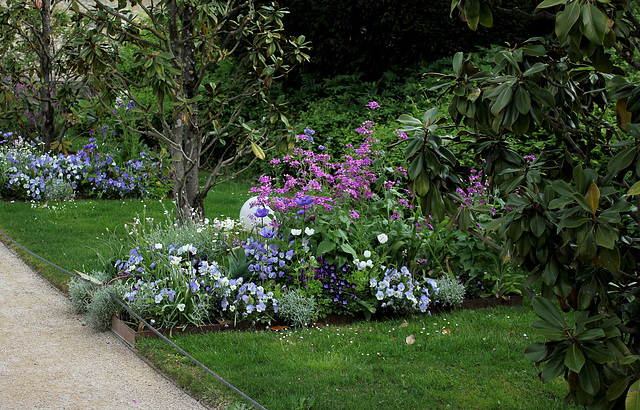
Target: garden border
<point>130,335</point>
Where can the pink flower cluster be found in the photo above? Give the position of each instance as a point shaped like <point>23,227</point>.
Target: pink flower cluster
<point>307,173</point>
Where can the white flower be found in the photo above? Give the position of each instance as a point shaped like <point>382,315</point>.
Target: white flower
<point>383,238</point>
<point>367,254</point>
<point>309,231</point>
<point>176,260</point>
<point>362,265</point>
<point>296,232</point>
<point>181,307</point>
<point>369,263</point>
<point>158,246</point>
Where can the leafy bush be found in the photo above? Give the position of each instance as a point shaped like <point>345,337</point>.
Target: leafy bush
<point>450,292</point>
<point>297,309</point>
<point>371,37</point>
<point>103,307</point>
<point>80,293</point>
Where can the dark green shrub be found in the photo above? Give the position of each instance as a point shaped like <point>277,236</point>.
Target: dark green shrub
<point>371,37</point>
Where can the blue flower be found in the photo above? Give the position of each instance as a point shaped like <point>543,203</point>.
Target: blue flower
<point>261,212</point>
<point>194,285</point>
<point>267,233</point>
<point>304,201</point>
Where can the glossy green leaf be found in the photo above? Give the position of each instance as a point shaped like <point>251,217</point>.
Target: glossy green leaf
<point>537,225</point>
<point>617,388</point>
<point>587,293</point>
<point>421,185</point>
<point>416,167</point>
<point>566,19</point>
<point>458,59</point>
<point>572,222</point>
<point>502,101</point>
<point>628,360</point>
<point>555,367</point>
<point>430,116</point>
<point>587,247</point>
<point>610,259</point>
<point>618,348</point>
<point>621,161</point>
<point>590,334</point>
<point>534,69</point>
<point>599,354</point>
<point>594,23</point>
<point>544,98</point>
<point>548,312</point>
<point>409,120</point>
<point>589,378</point>
<point>535,352</point>
<point>413,147</point>
<point>486,16</point>
<point>574,358</point>
<point>605,237</point>
<point>522,100</point>
<point>464,219</point>
<point>550,3</point>
<point>550,272</point>
<point>534,50</point>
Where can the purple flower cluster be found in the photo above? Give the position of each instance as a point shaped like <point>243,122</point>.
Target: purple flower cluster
<point>477,193</point>
<point>334,287</point>
<point>32,175</point>
<point>268,261</point>
<point>309,178</point>
<point>399,291</point>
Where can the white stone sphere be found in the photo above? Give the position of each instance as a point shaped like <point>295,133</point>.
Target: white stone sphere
<point>248,218</point>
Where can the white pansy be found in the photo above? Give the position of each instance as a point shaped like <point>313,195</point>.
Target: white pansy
<point>175,260</point>
<point>309,231</point>
<point>367,254</point>
<point>296,232</point>
<point>158,246</point>
<point>383,238</point>
<point>181,307</point>
<point>370,263</point>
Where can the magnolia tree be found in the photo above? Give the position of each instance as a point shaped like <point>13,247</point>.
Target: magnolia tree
<point>39,96</point>
<point>570,100</point>
<point>203,62</point>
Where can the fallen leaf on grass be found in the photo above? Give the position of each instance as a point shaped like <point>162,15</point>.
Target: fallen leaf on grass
<point>405,324</point>
<point>446,331</point>
<point>411,339</point>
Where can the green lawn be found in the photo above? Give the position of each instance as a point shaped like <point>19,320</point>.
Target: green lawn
<point>478,364</point>
<point>72,235</point>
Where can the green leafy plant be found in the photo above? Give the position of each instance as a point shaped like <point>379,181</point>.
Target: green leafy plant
<point>572,212</point>
<point>297,309</point>
<point>450,292</point>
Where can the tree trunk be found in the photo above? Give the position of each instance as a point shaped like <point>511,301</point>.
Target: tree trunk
<point>186,131</point>
<point>47,120</point>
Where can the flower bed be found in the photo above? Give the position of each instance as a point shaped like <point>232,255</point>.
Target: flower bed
<point>27,173</point>
<point>327,237</point>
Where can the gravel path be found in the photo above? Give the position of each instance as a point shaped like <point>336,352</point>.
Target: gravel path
<point>49,357</point>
